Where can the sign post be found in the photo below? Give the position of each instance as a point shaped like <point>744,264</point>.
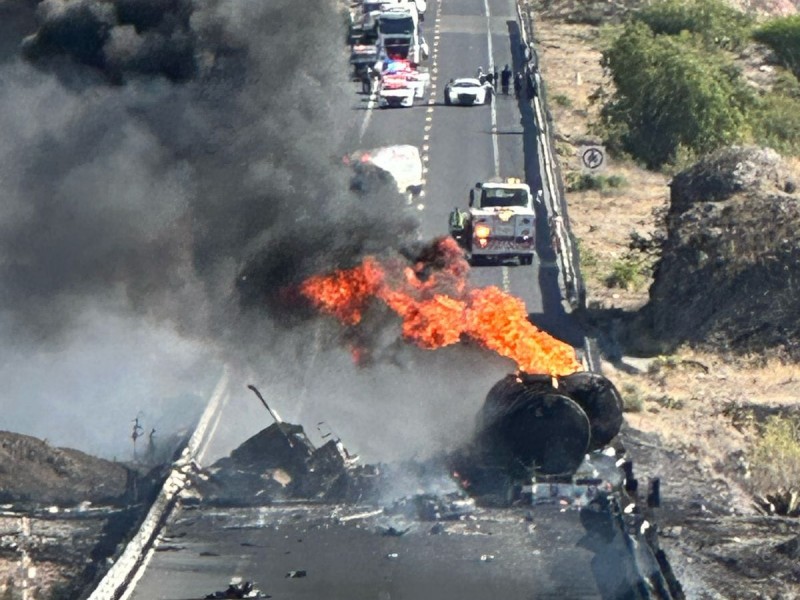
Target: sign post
<point>592,159</point>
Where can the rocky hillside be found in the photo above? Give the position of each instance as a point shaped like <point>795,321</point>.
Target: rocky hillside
<point>729,273</point>
<point>62,514</point>
<point>32,471</point>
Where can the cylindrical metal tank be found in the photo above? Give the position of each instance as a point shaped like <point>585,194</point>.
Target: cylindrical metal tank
<point>601,402</point>
<point>545,426</point>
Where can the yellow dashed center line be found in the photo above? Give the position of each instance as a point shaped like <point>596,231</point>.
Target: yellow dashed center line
<point>434,72</point>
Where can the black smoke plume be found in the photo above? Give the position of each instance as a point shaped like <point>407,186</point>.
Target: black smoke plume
<point>173,164</point>
<point>177,158</point>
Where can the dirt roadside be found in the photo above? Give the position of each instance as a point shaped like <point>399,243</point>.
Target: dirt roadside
<point>687,425</point>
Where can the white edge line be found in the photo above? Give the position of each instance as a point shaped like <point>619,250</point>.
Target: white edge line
<point>373,95</point>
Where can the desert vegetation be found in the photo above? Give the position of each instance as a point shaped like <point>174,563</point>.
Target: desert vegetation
<point>676,91</point>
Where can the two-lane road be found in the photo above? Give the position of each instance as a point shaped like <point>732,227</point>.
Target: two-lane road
<point>549,555</point>
<point>464,145</point>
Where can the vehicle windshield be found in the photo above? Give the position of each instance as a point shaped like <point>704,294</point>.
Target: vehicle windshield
<point>499,197</point>
<point>395,26</point>
<point>466,83</point>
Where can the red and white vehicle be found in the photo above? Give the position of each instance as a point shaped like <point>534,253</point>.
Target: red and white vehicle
<point>401,82</point>
<point>500,223</point>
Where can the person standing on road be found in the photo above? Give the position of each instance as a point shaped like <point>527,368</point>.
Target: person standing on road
<point>489,89</point>
<point>506,79</point>
<point>366,81</point>
<point>495,79</point>
<point>557,231</point>
<point>517,84</point>
<point>533,90</point>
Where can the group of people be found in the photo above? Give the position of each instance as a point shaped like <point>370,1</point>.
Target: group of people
<point>505,77</point>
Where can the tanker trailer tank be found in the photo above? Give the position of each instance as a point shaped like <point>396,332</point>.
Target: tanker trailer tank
<point>536,427</point>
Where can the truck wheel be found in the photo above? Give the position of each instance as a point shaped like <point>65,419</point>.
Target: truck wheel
<point>526,259</point>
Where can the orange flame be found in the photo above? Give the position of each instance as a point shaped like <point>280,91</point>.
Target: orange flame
<point>437,309</point>
<point>344,294</point>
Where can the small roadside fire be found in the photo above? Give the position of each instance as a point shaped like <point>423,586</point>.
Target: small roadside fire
<point>438,309</point>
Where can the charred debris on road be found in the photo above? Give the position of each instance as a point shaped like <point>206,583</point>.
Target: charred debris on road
<point>533,430</point>
<point>538,440</point>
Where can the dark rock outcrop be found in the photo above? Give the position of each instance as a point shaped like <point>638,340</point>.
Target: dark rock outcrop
<point>729,274</point>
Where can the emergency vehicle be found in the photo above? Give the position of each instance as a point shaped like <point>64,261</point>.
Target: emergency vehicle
<point>500,223</point>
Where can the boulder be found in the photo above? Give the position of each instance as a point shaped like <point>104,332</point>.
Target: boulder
<point>729,273</point>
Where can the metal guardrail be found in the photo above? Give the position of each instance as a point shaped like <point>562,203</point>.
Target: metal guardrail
<point>557,210</point>
<point>567,256</point>
<point>119,576</point>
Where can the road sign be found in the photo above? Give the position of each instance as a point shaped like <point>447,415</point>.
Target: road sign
<point>592,158</point>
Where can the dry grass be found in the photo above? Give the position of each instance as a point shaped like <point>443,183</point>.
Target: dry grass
<point>602,220</point>
<point>775,457</point>
<point>685,398</point>
<point>689,400</point>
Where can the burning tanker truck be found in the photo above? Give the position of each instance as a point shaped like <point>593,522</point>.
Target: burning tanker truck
<point>538,425</point>
<point>542,430</point>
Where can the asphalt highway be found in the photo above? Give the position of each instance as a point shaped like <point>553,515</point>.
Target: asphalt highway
<point>351,554</point>
<point>545,553</point>
<point>464,145</point>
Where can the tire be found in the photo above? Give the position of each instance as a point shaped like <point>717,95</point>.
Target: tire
<point>526,259</point>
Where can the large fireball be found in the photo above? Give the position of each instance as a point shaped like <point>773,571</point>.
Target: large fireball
<point>437,308</point>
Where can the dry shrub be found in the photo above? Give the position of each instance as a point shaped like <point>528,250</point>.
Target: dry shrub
<point>775,456</point>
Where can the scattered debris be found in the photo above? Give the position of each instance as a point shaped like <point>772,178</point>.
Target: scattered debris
<point>392,532</point>
<point>280,463</point>
<point>267,468</point>
<point>238,589</point>
<point>295,574</point>
<point>487,557</point>
<point>361,515</point>
<point>784,502</point>
<point>430,507</point>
